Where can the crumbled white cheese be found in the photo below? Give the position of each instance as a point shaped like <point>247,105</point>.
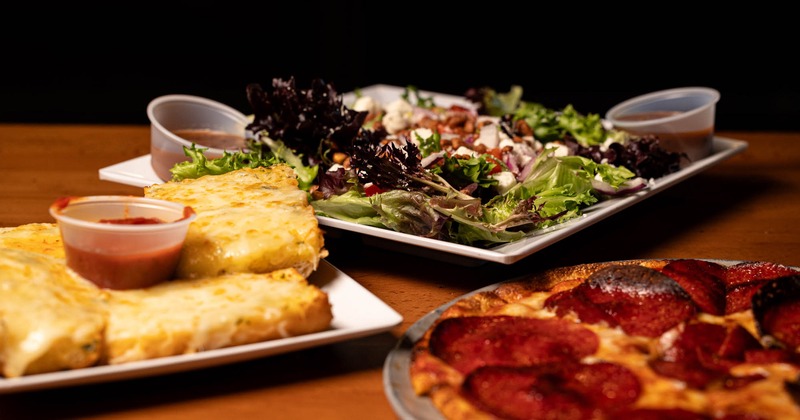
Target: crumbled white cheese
<point>561,150</point>
<point>394,121</point>
<point>398,116</point>
<point>488,136</point>
<point>466,151</point>
<point>423,133</point>
<point>367,103</point>
<point>522,152</point>
<point>401,106</point>
<point>506,142</point>
<point>506,180</point>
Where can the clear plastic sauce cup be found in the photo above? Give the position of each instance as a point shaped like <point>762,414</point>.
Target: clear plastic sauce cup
<point>682,118</point>
<point>122,242</point>
<point>180,120</point>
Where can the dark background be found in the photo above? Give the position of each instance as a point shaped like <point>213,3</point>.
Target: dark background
<point>103,64</point>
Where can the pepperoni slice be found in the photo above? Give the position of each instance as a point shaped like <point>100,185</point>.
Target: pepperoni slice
<point>704,352</point>
<point>776,309</point>
<point>703,280</point>
<point>567,390</point>
<point>737,342</point>
<point>698,337</point>
<point>640,300</point>
<point>745,272</point>
<point>740,296</point>
<point>467,343</point>
<point>693,374</point>
<point>572,302</point>
<point>744,279</point>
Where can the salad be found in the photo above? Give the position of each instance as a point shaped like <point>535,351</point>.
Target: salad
<point>491,170</point>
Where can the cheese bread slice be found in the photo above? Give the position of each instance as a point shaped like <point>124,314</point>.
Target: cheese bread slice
<point>42,238</point>
<point>50,318</point>
<point>248,221</point>
<point>193,315</point>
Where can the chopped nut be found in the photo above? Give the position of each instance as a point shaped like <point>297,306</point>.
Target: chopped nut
<point>522,127</point>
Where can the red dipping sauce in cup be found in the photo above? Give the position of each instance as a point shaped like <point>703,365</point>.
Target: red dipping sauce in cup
<point>122,242</point>
<point>124,271</point>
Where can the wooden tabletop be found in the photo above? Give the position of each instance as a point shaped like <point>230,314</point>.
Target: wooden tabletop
<point>745,208</point>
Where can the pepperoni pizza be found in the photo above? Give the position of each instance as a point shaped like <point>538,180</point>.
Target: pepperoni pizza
<point>640,339</point>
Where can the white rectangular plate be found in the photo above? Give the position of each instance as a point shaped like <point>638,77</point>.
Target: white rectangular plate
<point>138,172</point>
<point>350,301</point>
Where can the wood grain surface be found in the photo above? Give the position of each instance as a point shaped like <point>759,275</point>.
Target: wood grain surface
<point>745,208</point>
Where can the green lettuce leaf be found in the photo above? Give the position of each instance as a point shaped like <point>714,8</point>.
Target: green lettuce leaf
<point>409,212</point>
<point>306,175</point>
<point>350,207</point>
<point>199,165</point>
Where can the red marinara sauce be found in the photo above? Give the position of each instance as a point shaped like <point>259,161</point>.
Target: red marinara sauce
<point>124,271</point>
<point>133,221</point>
<point>126,257</point>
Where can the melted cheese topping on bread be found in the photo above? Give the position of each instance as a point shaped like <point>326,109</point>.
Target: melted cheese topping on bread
<point>250,220</point>
<point>43,238</point>
<point>188,316</point>
<point>50,318</point>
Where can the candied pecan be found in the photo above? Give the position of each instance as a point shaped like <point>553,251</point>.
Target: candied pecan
<point>428,123</point>
<point>523,128</point>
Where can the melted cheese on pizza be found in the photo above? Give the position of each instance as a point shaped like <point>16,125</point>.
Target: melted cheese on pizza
<point>634,352</point>
<point>188,316</point>
<point>50,318</point>
<point>250,220</point>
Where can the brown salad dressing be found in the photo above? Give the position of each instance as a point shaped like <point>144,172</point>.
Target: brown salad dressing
<point>694,144</point>
<point>212,138</point>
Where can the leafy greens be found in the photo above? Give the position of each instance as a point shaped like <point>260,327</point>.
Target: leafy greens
<point>356,172</point>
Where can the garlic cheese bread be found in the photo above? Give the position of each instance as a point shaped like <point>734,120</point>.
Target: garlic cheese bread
<point>241,279</point>
<point>51,319</point>
<point>250,220</point>
<point>192,315</point>
<point>42,238</point>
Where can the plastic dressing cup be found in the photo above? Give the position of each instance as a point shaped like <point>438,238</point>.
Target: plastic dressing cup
<point>122,242</point>
<point>682,118</point>
<point>180,120</point>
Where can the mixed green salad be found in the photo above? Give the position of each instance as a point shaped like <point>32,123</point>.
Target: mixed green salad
<point>492,170</point>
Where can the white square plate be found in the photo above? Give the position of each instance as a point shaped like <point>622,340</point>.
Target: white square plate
<point>138,172</point>
<point>349,300</point>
